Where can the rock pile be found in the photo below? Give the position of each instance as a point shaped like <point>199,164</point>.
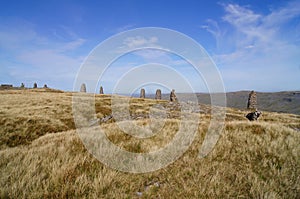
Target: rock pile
<point>83,88</point>
<point>101,90</point>
<point>252,101</point>
<point>173,97</point>
<point>142,94</point>
<point>158,94</point>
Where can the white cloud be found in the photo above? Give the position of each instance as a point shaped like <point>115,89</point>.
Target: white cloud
<point>139,41</point>
<point>155,55</point>
<point>258,45</point>
<point>240,16</point>
<point>283,15</point>
<point>124,28</point>
<point>72,45</point>
<point>28,56</point>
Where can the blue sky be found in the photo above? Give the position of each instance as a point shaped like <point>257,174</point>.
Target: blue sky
<point>254,44</point>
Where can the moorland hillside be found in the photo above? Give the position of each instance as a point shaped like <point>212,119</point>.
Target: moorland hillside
<point>42,155</point>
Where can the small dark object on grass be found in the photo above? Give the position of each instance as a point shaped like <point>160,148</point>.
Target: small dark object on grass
<point>253,115</point>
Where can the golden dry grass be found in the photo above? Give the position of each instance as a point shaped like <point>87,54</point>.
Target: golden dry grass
<point>42,157</point>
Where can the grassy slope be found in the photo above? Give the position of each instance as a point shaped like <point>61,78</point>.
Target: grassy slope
<point>251,159</point>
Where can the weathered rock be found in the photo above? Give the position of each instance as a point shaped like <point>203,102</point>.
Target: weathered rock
<point>253,115</point>
<point>106,118</point>
<point>83,88</point>
<point>173,97</point>
<point>142,94</point>
<point>35,85</point>
<point>101,90</point>
<point>158,94</point>
<point>252,101</point>
<point>100,121</point>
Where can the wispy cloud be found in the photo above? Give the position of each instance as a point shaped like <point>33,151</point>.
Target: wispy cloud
<point>124,28</point>
<point>139,41</point>
<point>30,56</point>
<point>259,44</point>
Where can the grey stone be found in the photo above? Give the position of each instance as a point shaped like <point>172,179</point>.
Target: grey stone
<point>252,101</point>
<point>83,88</point>
<point>142,94</point>
<point>101,90</point>
<point>158,94</point>
<point>173,97</point>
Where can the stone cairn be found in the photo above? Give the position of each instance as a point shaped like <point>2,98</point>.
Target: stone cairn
<point>45,86</point>
<point>35,85</point>
<point>173,97</point>
<point>101,90</point>
<point>252,101</point>
<point>142,94</point>
<point>22,85</point>
<point>83,88</point>
<point>158,94</point>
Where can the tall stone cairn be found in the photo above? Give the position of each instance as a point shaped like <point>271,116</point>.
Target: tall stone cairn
<point>173,97</point>
<point>252,101</point>
<point>35,85</point>
<point>142,94</point>
<point>158,94</point>
<point>83,88</point>
<point>101,90</point>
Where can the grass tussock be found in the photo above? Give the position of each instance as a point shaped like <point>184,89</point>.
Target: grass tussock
<point>42,157</point>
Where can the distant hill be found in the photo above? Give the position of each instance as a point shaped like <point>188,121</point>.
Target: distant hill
<point>282,102</point>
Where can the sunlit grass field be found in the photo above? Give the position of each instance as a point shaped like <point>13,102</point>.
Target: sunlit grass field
<point>42,156</point>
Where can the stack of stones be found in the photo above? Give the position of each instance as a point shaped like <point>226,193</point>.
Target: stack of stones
<point>101,90</point>
<point>142,94</point>
<point>158,94</point>
<point>83,88</point>
<point>173,97</point>
<point>252,101</point>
